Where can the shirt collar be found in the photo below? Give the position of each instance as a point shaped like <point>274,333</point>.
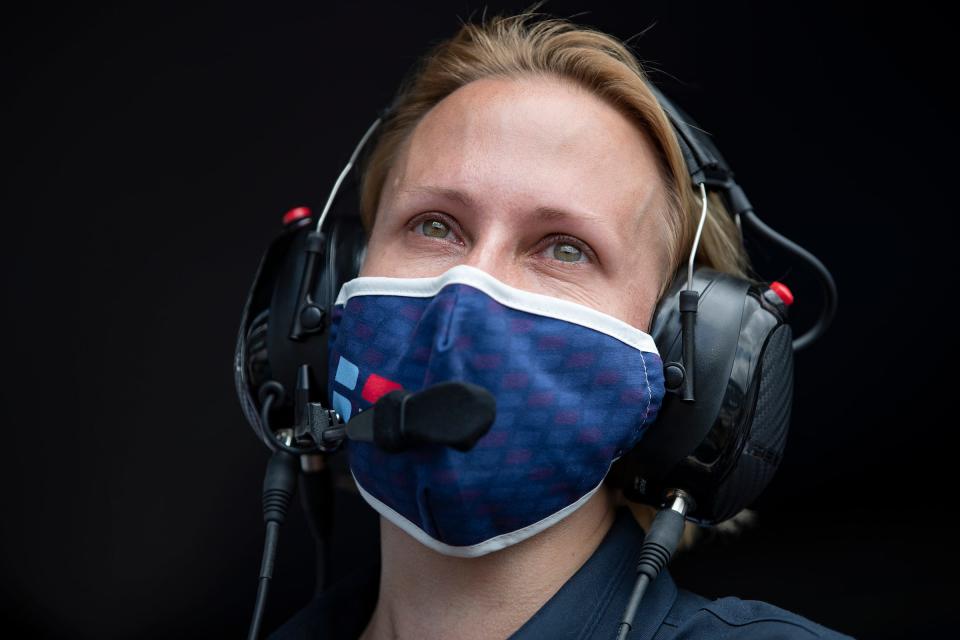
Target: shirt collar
<point>591,603</point>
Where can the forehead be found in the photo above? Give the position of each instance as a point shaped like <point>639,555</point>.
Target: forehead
<point>537,141</point>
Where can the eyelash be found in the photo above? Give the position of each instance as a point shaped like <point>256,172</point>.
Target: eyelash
<point>588,253</point>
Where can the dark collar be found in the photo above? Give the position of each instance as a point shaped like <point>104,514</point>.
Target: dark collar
<point>591,603</point>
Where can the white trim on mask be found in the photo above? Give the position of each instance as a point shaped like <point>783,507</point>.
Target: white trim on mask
<point>502,541</point>
<point>506,295</point>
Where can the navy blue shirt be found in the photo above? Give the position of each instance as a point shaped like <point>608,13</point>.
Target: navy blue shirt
<point>589,605</point>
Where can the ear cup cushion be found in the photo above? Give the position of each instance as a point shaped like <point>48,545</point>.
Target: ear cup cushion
<point>242,365</point>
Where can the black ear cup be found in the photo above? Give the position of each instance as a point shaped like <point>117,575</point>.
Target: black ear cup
<point>346,250</point>
<point>716,448</point>
<point>265,352</point>
<point>770,401</point>
<point>252,357</point>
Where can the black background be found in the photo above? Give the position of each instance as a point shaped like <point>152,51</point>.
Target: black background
<point>152,149</point>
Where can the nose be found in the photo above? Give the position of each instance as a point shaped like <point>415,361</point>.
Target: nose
<point>494,251</point>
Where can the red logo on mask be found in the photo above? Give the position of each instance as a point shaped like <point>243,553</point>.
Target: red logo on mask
<point>376,386</point>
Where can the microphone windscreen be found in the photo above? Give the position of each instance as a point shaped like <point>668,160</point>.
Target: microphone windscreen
<point>455,414</point>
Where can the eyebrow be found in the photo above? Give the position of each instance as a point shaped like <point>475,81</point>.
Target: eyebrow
<point>543,213</point>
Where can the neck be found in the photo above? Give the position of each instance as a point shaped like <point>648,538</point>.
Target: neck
<point>424,594</point>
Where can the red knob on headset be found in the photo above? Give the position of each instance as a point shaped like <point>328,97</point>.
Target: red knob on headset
<point>297,213</point>
<point>783,292</point>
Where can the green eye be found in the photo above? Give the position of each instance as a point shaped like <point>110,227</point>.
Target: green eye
<point>435,229</point>
<point>566,252</point>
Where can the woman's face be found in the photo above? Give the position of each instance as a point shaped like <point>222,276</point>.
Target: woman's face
<point>537,182</point>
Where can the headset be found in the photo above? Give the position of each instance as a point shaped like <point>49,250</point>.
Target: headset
<point>726,345</point>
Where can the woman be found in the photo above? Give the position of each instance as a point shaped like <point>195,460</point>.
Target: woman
<point>531,155</point>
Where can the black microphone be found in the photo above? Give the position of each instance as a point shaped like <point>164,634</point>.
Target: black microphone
<point>453,414</point>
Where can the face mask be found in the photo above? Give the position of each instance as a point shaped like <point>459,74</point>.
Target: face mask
<point>575,389</point>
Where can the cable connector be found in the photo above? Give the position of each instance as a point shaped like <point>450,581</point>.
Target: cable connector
<point>279,485</point>
<point>658,547</point>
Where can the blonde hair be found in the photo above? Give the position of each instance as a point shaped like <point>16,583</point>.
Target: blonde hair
<point>532,44</point>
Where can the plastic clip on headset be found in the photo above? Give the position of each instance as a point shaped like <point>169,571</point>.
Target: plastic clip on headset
<point>714,447</point>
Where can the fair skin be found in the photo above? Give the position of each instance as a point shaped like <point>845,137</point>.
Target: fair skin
<point>549,189</point>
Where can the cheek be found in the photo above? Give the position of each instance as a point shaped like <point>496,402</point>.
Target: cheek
<point>629,303</point>
<point>636,292</point>
<point>642,297</point>
<point>375,262</point>
<point>369,257</point>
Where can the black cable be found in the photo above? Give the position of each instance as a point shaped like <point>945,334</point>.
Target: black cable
<point>266,573</point>
<point>279,485</point>
<point>740,205</point>
<point>829,308</point>
<point>639,589</point>
<point>656,551</point>
<point>317,501</point>
<point>316,484</point>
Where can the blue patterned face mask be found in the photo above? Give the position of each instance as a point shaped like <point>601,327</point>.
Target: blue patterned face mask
<point>575,389</point>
